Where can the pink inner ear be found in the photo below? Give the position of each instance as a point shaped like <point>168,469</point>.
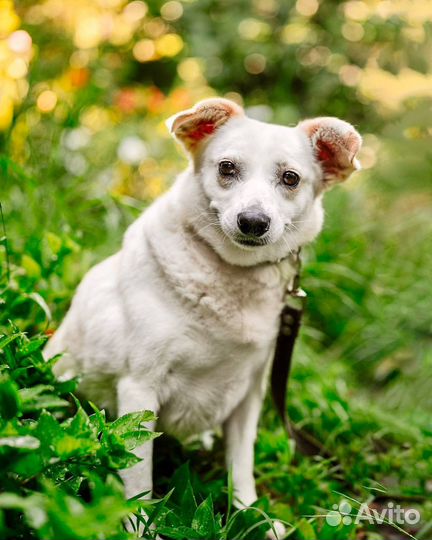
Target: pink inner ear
<point>332,158</point>
<point>201,131</point>
<point>325,151</point>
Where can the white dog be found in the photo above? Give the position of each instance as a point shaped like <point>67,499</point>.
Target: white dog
<point>184,318</point>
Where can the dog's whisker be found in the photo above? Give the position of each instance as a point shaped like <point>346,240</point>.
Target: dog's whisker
<point>198,232</point>
<point>290,249</point>
<point>204,213</point>
<point>291,226</point>
<point>310,220</point>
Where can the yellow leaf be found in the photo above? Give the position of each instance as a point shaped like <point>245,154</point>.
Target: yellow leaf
<point>31,267</point>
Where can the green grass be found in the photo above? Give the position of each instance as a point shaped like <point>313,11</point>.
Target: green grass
<point>361,380</point>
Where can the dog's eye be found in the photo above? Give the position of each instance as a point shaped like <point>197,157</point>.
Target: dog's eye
<point>227,168</point>
<point>290,179</point>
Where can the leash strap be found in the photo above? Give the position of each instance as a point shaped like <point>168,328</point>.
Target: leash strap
<point>290,321</point>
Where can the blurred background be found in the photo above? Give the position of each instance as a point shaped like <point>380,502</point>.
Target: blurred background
<point>85,88</point>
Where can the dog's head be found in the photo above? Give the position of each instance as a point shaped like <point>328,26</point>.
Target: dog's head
<point>263,183</point>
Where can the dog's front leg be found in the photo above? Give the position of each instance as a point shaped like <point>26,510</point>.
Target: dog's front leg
<point>134,395</point>
<point>240,431</point>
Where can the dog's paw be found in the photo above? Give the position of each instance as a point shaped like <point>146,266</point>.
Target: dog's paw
<point>277,532</point>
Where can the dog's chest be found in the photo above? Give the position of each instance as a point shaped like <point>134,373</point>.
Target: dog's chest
<point>207,377</point>
<point>238,304</point>
<point>220,323</point>
<point>227,333</point>
<point>244,310</point>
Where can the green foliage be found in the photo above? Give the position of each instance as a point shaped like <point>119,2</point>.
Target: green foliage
<point>186,518</point>
<point>57,463</point>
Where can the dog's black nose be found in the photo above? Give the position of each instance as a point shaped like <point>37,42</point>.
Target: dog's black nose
<point>253,222</point>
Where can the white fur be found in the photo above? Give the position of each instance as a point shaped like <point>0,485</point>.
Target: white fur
<point>183,320</point>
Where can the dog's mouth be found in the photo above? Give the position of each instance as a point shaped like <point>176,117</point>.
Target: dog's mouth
<point>247,241</point>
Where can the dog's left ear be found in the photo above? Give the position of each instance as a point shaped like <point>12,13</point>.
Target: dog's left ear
<point>336,144</point>
<point>194,126</point>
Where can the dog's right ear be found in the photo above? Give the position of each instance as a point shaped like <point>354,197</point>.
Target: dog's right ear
<point>194,126</point>
<point>336,145</point>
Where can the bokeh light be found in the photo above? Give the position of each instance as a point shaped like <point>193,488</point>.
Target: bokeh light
<point>172,11</point>
<point>255,63</point>
<point>308,8</point>
<point>47,101</point>
<point>169,45</point>
<point>144,50</point>
<point>20,42</point>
